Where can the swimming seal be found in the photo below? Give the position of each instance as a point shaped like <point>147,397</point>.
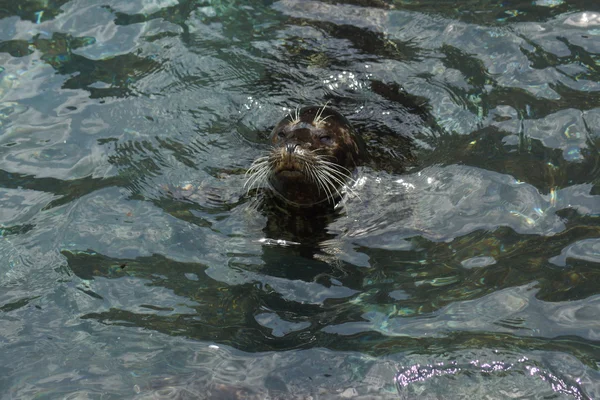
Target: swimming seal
<point>314,153</point>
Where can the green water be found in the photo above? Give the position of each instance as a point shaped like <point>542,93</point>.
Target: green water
<point>136,265</point>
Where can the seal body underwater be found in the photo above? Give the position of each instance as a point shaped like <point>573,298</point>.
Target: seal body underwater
<point>315,152</point>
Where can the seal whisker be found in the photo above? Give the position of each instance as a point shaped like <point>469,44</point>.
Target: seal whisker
<point>251,177</point>
<point>324,183</point>
<point>332,179</point>
<point>340,175</point>
<point>327,162</point>
<point>262,180</point>
<point>258,172</point>
<point>327,184</point>
<point>336,179</point>
<point>324,158</point>
<point>341,178</point>
<point>295,117</point>
<point>256,169</point>
<point>332,184</point>
<point>317,120</point>
<point>256,180</point>
<point>333,166</point>
<point>260,160</point>
<point>332,174</point>
<point>310,173</point>
<point>319,123</point>
<point>315,178</point>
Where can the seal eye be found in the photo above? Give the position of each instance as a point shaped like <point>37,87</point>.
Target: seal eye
<point>281,134</point>
<point>325,139</point>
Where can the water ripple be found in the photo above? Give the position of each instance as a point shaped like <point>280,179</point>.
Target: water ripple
<point>136,265</point>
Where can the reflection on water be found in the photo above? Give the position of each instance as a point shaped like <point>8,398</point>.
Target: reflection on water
<point>136,264</point>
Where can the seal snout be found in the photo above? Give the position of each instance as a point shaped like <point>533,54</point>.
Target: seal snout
<point>288,163</point>
<point>290,148</point>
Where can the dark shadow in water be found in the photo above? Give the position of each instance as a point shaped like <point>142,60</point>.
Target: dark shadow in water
<point>540,59</point>
<point>234,19</point>
<point>488,12</point>
<point>394,93</point>
<point>380,345</point>
<point>199,207</point>
<point>383,4</point>
<point>493,12</point>
<point>517,261</point>
<point>137,162</point>
<point>306,231</point>
<point>529,106</point>
<point>177,14</point>
<point>302,225</point>
<point>56,50</point>
<point>300,55</point>
<point>480,101</point>
<point>68,190</point>
<point>32,10</point>
<point>372,46</point>
<point>118,73</point>
<point>15,229</point>
<point>475,75</point>
<point>528,160</point>
<point>15,305</point>
<point>224,314</point>
<point>227,313</point>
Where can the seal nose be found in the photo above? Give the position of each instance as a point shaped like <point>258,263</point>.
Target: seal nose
<point>290,147</point>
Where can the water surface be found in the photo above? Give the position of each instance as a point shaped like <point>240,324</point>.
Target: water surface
<point>135,265</point>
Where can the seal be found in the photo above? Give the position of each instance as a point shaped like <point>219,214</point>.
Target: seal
<point>315,152</point>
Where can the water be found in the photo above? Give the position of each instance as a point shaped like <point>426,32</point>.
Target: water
<point>134,264</point>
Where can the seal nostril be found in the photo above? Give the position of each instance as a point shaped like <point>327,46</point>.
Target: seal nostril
<point>291,147</point>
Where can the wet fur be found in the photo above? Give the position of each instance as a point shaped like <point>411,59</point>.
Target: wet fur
<point>313,155</point>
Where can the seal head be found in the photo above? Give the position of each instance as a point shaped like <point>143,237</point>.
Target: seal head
<point>314,154</point>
